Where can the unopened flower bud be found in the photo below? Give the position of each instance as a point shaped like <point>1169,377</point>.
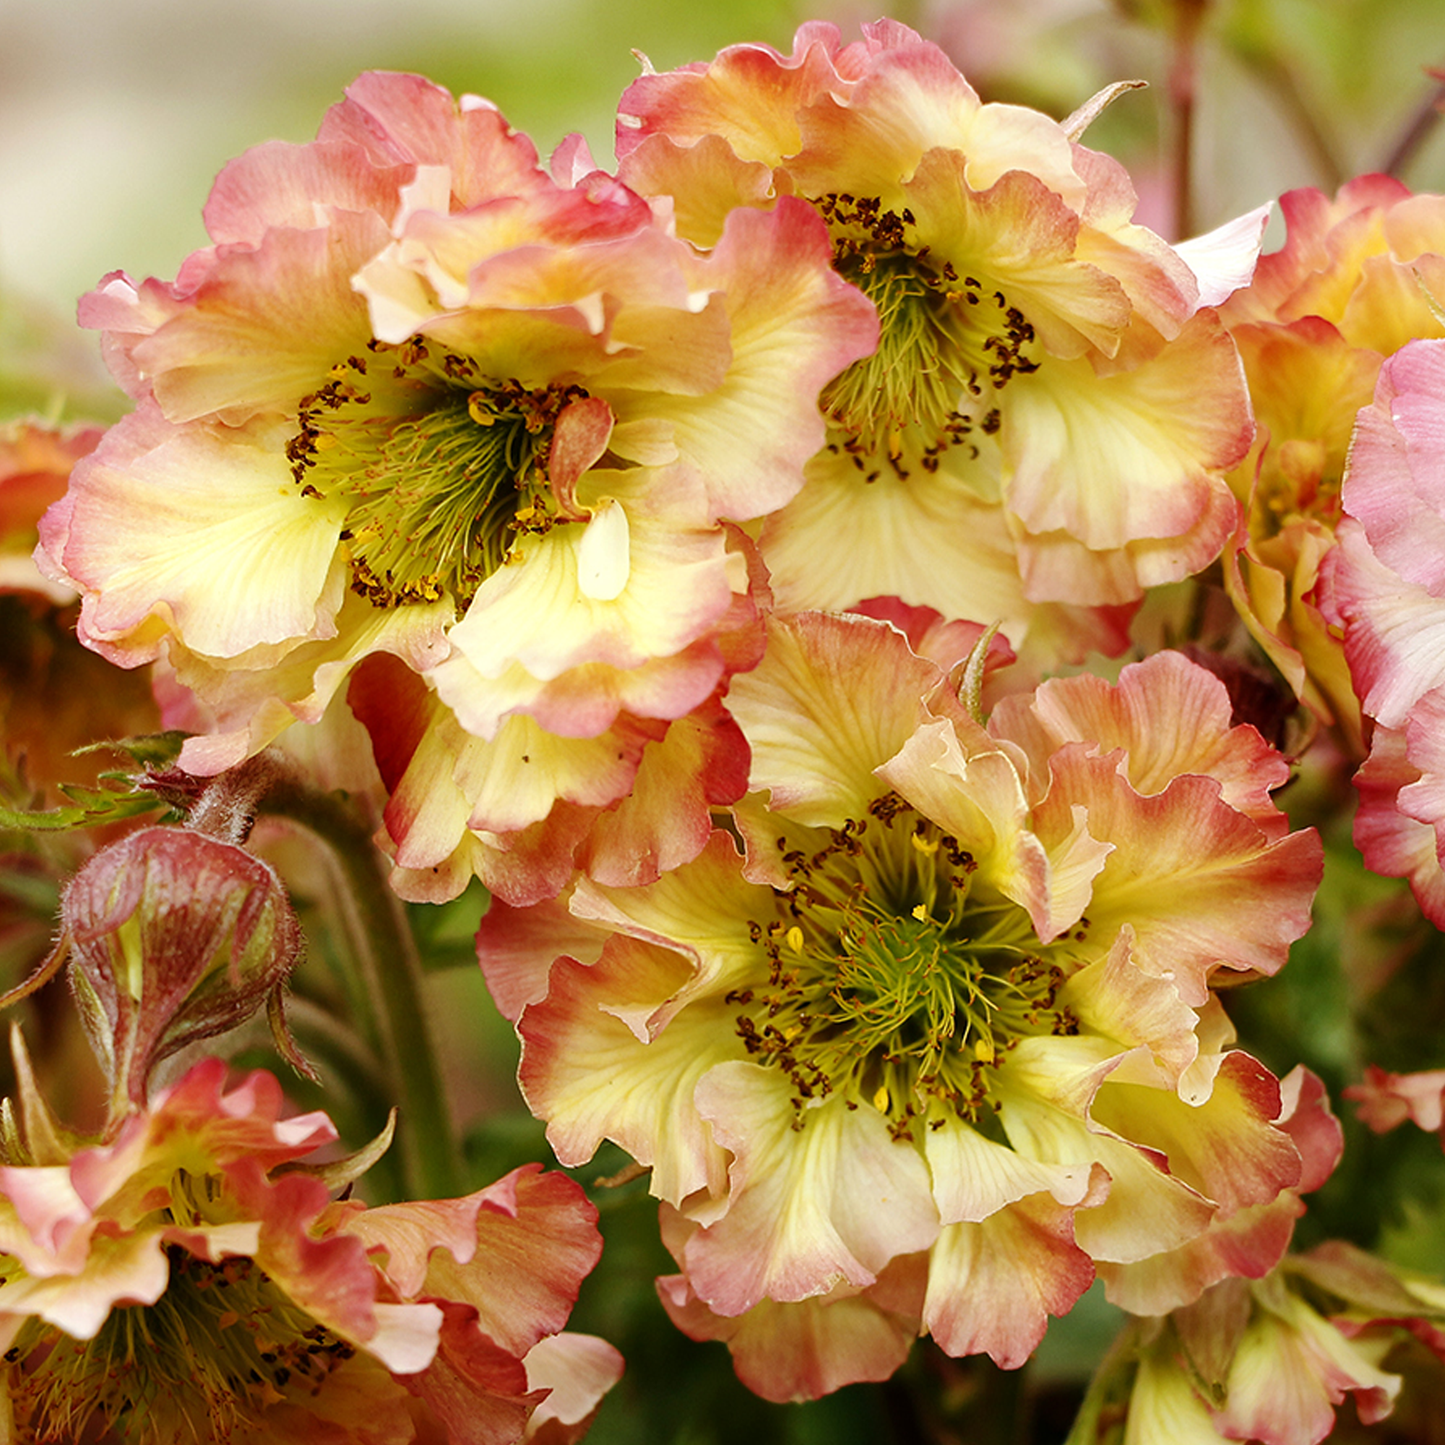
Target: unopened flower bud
<point>174,936</point>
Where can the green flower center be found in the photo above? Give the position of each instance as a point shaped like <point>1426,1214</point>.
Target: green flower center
<point>947,344</point>
<point>441,469</point>
<point>893,979</point>
<point>220,1346</point>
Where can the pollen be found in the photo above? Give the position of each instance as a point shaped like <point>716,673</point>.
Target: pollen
<point>894,977</point>
<point>441,470</point>
<point>220,1346</point>
<point>947,344</point>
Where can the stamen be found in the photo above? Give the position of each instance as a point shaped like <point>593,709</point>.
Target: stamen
<point>892,979</point>
<point>946,345</point>
<point>220,1346</point>
<point>442,469</point>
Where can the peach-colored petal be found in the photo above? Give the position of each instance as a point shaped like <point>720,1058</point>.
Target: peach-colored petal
<point>834,697</point>
<point>593,1075</point>
<point>993,1285</point>
<point>855,1197</point>
<point>803,1349</point>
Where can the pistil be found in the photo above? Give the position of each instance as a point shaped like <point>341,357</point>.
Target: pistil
<point>442,468</point>
<point>947,344</point>
<point>892,979</point>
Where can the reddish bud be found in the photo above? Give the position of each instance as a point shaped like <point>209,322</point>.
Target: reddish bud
<point>175,936</point>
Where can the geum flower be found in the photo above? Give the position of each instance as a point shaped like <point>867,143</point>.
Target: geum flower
<point>422,400</point>
<point>1352,284</point>
<point>190,1278</point>
<point>942,1044</point>
<point>1049,411</point>
<point>1384,586</point>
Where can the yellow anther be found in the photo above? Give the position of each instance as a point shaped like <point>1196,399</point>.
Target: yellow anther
<point>480,409</point>
<point>920,912</point>
<point>983,1049</point>
<point>795,938</point>
<point>880,1099</point>
<point>927,846</point>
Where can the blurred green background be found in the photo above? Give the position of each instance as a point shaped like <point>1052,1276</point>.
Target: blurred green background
<point>116,114</point>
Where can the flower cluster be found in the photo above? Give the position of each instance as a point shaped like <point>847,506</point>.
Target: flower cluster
<point>843,585</point>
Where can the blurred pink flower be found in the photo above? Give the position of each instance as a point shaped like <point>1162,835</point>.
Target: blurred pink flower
<point>1386,1100</point>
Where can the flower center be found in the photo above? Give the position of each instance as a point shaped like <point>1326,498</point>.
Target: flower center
<point>893,979</point>
<point>946,344</point>
<point>220,1346</point>
<point>440,468</point>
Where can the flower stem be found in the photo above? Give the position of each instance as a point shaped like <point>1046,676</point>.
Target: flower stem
<point>1183,84</point>
<point>392,1010</point>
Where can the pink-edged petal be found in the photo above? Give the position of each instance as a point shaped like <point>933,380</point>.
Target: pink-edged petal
<point>1247,897</point>
<point>602,1060</point>
<point>1056,565</point>
<point>407,119</point>
<point>1251,1241</point>
<point>750,92</point>
<point>1124,453</point>
<point>700,763</point>
<point>705,182</point>
<point>1226,1147</point>
<point>406,1234</point>
<point>249,706</point>
<point>793,325</point>
<point>993,1285</point>
<point>1170,716</point>
<point>1246,1245</point>
<point>262,329</point>
<point>175,531</point>
<point>517,947</point>
<point>536,1240</point>
<point>534,624</point>
<point>804,1349</point>
<point>130,1269</point>
<point>808,1208</point>
<point>833,697</point>
<point>289,186</point>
